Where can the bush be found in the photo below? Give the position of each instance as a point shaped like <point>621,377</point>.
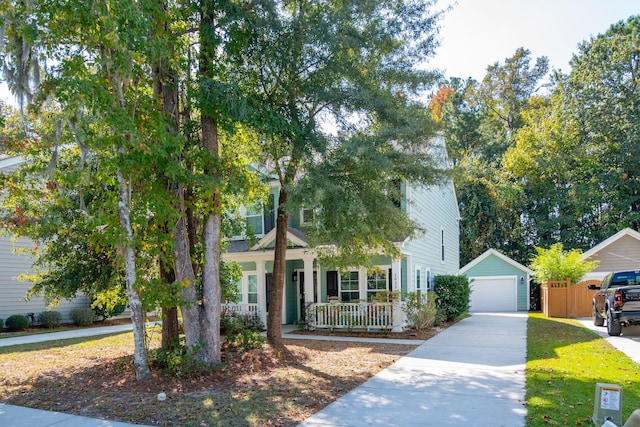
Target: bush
<point>420,309</point>
<point>50,318</point>
<point>232,323</point>
<point>179,360</point>
<point>453,295</point>
<point>17,322</point>
<point>245,340</point>
<point>1,324</point>
<point>82,316</point>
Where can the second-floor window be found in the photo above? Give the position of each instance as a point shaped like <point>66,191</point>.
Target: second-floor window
<point>306,216</point>
<point>254,219</point>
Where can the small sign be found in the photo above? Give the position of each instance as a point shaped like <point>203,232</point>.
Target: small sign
<point>610,399</point>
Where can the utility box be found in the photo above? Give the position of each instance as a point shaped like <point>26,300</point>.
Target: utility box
<point>607,404</point>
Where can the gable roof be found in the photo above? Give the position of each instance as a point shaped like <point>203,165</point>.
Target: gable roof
<point>600,246</point>
<point>500,256</point>
<point>294,236</point>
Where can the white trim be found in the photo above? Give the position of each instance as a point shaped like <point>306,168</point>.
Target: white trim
<point>271,236</point>
<point>597,248</point>
<point>500,256</point>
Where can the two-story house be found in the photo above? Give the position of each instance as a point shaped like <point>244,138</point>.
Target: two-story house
<point>311,286</point>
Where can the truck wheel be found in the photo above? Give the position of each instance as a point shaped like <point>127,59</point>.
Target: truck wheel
<point>613,328</point>
<point>597,319</point>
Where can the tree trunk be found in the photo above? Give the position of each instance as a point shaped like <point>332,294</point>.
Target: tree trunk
<point>274,321</point>
<point>140,359</point>
<point>166,92</point>
<point>184,274</point>
<point>170,326</point>
<point>211,292</point>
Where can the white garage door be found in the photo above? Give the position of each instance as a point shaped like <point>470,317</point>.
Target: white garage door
<point>494,294</point>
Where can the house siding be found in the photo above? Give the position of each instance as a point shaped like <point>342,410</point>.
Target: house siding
<point>623,254</point>
<point>13,291</point>
<point>436,210</point>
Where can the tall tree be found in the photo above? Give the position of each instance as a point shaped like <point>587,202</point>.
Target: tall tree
<point>353,64</point>
<point>480,122</point>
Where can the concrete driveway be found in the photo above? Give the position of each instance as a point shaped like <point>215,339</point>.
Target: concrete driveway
<point>471,374</point>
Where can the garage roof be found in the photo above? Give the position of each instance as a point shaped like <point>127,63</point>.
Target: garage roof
<point>497,254</point>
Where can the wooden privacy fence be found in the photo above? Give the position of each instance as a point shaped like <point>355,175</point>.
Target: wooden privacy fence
<point>560,298</point>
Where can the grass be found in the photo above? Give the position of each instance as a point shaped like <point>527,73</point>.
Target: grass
<point>564,363</point>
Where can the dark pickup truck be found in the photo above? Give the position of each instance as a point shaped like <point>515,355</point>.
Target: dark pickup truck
<point>618,301</point>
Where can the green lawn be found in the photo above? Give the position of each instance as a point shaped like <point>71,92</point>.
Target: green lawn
<point>564,363</point>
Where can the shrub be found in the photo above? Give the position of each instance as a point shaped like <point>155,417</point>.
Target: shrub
<point>179,360</point>
<point>245,340</point>
<point>82,316</point>
<point>50,318</point>
<point>453,295</point>
<point>17,322</point>
<point>420,309</point>
<point>231,323</point>
<point>1,324</point>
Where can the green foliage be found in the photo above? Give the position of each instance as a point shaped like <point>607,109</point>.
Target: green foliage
<point>421,309</point>
<point>17,322</point>
<point>242,330</point>
<point>232,322</point>
<point>453,295</point>
<point>50,318</point>
<point>109,303</point>
<point>557,264</point>
<point>179,360</point>
<point>1,324</point>
<point>82,316</point>
<point>245,340</point>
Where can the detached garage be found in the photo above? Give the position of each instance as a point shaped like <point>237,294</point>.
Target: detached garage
<point>497,283</point>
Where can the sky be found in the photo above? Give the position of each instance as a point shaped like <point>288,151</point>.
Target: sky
<point>478,33</point>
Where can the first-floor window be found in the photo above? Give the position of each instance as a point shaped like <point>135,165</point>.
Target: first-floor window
<point>418,280</point>
<point>376,283</point>
<point>252,288</point>
<point>349,288</point>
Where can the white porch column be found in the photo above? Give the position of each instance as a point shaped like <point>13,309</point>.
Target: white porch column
<point>308,280</point>
<point>362,283</point>
<point>396,285</point>
<point>318,284</point>
<point>396,272</point>
<point>262,289</point>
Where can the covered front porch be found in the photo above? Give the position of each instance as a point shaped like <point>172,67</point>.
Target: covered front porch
<point>316,296</point>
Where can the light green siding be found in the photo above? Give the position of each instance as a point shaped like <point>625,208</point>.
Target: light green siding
<point>494,266</point>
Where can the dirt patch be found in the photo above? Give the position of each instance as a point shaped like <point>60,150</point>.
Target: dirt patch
<point>272,386</point>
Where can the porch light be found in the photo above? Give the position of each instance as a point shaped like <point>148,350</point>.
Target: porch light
<point>521,279</point>
<point>294,276</point>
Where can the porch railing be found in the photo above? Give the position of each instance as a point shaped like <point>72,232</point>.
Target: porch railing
<point>229,307</point>
<point>368,316</point>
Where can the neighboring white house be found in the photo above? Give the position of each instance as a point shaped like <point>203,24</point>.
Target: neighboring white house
<point>619,252</point>
<point>498,283</point>
<point>334,295</point>
<point>13,264</point>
